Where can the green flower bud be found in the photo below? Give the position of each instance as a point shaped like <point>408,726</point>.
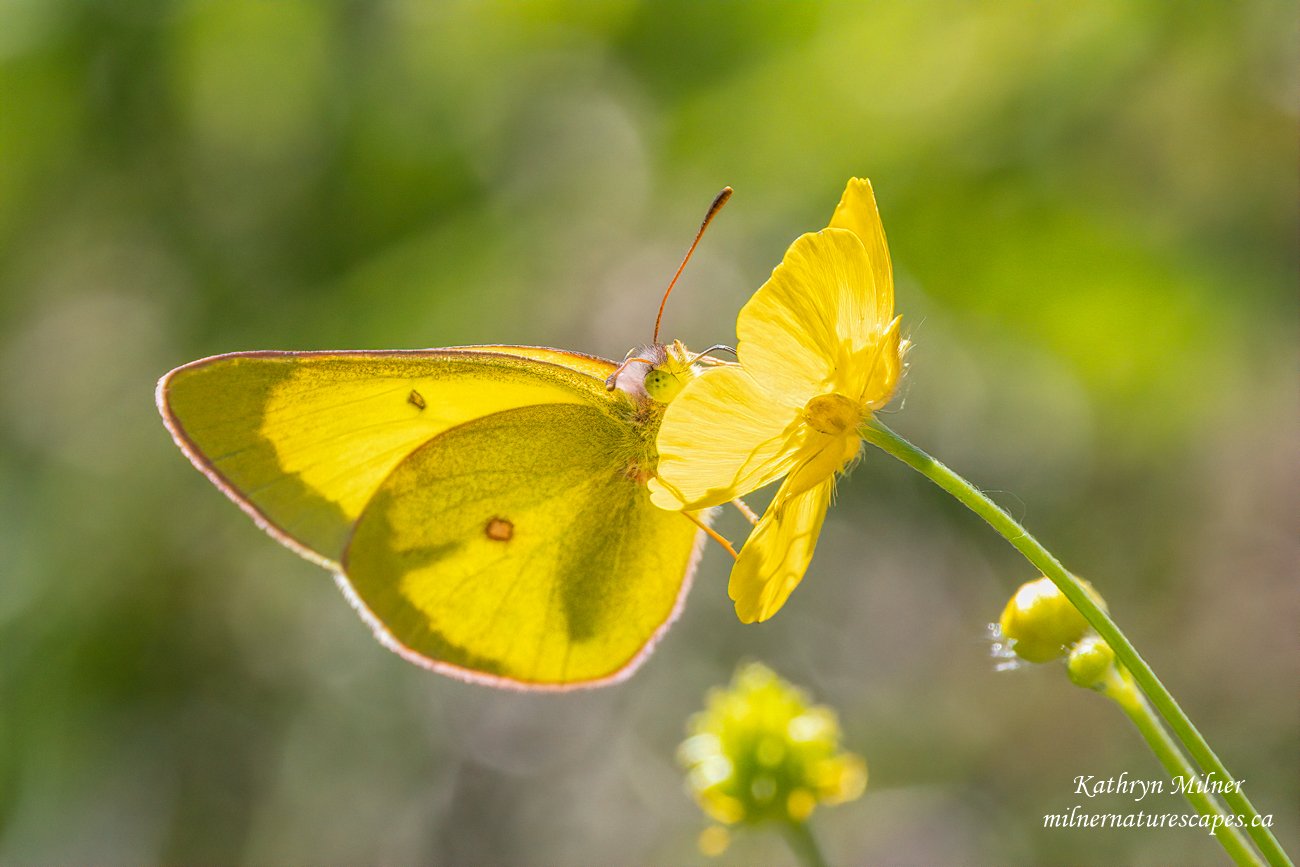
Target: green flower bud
<point>1090,661</point>
<point>1041,624</point>
<point>759,752</point>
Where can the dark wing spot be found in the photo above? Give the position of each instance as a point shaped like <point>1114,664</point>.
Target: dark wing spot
<point>499,530</point>
<point>416,399</point>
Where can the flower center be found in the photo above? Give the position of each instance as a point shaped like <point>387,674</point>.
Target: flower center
<point>832,414</point>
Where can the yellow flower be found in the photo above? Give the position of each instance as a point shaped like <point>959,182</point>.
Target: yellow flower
<point>819,350</point>
<point>759,752</point>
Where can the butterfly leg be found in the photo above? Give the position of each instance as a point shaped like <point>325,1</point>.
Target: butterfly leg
<point>713,534</point>
<point>611,381</point>
<point>705,355</point>
<point>746,511</point>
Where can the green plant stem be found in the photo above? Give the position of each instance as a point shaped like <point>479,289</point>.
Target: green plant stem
<point>804,844</point>
<point>968,495</point>
<point>1119,687</point>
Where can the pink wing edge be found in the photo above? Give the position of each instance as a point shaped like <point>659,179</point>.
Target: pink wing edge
<point>469,675</point>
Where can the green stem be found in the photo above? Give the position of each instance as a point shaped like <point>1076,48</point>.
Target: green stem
<point>971,497</point>
<point>1119,687</point>
<point>804,844</point>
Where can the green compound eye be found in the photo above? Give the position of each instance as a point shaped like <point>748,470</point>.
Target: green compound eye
<point>662,385</point>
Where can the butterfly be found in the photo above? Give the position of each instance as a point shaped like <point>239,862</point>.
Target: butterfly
<point>483,508</point>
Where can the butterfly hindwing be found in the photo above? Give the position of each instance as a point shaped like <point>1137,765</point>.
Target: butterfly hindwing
<point>567,580</point>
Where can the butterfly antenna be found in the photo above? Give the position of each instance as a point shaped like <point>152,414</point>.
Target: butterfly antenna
<point>718,201</point>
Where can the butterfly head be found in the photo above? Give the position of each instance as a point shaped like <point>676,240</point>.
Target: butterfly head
<point>666,379</point>
<point>658,372</point>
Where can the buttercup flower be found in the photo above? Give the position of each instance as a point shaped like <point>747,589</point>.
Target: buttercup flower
<point>819,350</point>
<point>760,752</point>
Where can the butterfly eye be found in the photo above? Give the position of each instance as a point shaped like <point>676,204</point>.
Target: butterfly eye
<point>662,385</point>
<point>659,384</point>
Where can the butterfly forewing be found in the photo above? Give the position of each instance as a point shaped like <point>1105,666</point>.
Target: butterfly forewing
<point>302,440</point>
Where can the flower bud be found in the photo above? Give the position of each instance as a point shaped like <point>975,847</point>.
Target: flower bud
<point>1041,624</point>
<point>1090,661</point>
<point>760,752</point>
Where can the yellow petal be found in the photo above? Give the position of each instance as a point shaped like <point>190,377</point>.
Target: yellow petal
<point>800,331</point>
<point>777,554</point>
<point>875,370</point>
<point>858,213</point>
<point>821,458</point>
<point>889,370</point>
<point>721,438</point>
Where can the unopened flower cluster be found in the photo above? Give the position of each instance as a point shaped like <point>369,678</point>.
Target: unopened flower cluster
<point>760,752</point>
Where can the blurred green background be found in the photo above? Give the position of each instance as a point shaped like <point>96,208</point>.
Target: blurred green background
<point>1092,210</point>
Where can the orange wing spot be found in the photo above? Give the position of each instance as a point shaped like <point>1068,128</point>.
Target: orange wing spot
<point>499,530</point>
<point>416,399</point>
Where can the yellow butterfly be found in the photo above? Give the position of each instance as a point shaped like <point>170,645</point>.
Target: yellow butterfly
<point>819,350</point>
<point>484,508</point>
